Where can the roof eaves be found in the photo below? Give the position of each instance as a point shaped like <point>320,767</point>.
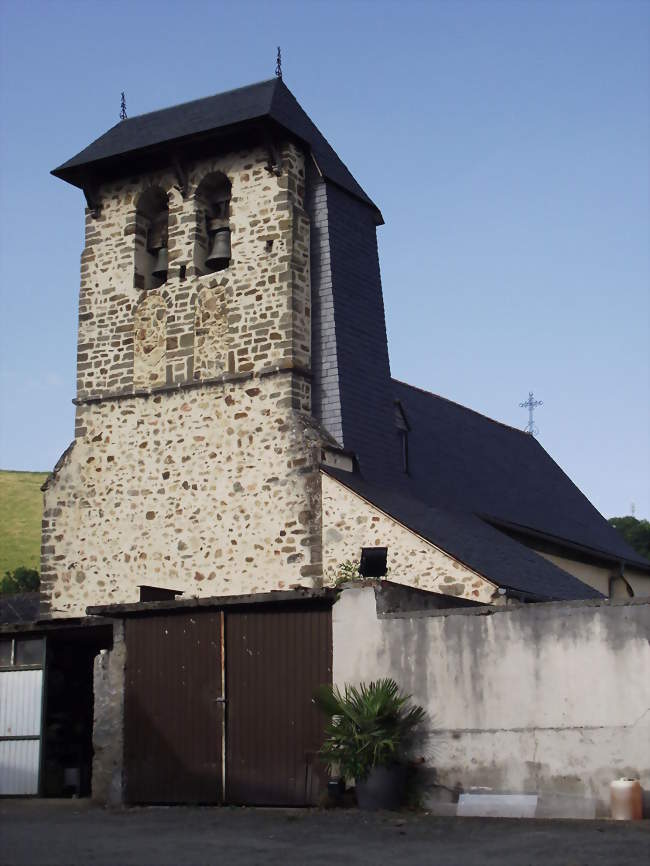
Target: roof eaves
<point>301,594</point>
<point>76,171</point>
<point>596,552</point>
<point>79,160</point>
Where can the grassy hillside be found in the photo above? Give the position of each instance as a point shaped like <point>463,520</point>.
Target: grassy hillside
<point>21,504</point>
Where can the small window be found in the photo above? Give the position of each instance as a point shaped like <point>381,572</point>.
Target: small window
<point>6,652</point>
<point>29,651</point>
<point>373,562</point>
<point>22,652</point>
<point>403,432</point>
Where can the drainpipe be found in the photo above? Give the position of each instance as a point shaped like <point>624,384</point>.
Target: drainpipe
<point>620,576</point>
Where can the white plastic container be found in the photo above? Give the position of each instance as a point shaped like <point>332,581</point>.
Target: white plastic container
<point>626,800</point>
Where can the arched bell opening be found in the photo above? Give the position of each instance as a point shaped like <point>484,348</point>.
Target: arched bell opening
<point>151,254</point>
<point>212,250</point>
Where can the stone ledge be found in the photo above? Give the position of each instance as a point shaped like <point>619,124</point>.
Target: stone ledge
<point>215,381</point>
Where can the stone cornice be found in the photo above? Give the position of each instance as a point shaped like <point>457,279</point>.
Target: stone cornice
<point>216,381</point>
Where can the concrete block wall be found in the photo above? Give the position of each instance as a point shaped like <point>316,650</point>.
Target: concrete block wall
<point>551,699</point>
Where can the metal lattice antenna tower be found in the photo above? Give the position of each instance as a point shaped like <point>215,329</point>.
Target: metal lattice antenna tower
<point>123,107</point>
<point>531,404</point>
<point>278,64</point>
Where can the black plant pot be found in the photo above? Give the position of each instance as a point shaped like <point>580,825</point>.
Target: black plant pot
<point>385,788</point>
<point>335,791</point>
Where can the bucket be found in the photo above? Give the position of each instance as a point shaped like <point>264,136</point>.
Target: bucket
<point>626,800</point>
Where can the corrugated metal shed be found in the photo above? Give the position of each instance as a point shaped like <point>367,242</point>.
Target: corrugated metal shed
<point>21,701</point>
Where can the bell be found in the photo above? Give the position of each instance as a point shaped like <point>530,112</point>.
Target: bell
<point>161,264</point>
<point>219,256</point>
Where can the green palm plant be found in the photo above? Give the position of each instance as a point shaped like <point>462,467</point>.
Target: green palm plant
<point>369,726</point>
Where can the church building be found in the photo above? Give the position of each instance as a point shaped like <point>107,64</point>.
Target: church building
<point>237,427</point>
<point>238,433</point>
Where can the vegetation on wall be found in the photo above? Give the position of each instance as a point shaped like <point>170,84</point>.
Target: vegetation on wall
<point>21,579</point>
<point>346,572</point>
<point>635,532</point>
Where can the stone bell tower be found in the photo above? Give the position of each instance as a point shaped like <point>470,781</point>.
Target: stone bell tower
<point>203,404</point>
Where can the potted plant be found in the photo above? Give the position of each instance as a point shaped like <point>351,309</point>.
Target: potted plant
<point>367,737</point>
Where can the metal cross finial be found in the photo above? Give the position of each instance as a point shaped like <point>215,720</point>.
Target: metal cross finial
<point>123,107</point>
<point>278,64</point>
<point>531,404</point>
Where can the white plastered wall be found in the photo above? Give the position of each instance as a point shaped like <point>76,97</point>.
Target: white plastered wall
<point>551,698</point>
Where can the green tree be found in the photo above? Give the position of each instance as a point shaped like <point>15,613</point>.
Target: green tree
<point>635,532</point>
<point>21,579</point>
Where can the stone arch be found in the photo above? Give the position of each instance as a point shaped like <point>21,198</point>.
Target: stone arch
<point>151,238</point>
<point>210,333</point>
<point>150,342</point>
<point>212,202</point>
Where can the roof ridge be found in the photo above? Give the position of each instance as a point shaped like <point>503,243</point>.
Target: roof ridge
<point>197,99</point>
<point>466,408</point>
<point>316,131</point>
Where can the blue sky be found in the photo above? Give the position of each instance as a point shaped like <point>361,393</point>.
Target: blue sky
<point>505,142</point>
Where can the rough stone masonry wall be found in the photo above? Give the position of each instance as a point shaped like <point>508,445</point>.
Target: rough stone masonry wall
<point>264,294</point>
<point>550,699</point>
<point>108,720</point>
<point>201,473</point>
<point>350,523</point>
<point>210,491</point>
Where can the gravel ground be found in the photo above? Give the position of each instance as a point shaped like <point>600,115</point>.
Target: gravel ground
<point>66,833</point>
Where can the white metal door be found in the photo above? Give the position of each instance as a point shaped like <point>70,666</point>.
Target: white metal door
<point>20,731</point>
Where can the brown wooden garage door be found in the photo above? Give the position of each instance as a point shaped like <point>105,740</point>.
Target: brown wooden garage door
<point>274,661</point>
<point>172,714</point>
<point>174,709</point>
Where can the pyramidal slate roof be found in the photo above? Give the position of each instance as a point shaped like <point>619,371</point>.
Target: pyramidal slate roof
<point>266,101</point>
<point>462,460</point>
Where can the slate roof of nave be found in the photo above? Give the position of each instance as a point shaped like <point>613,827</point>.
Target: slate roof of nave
<point>464,460</point>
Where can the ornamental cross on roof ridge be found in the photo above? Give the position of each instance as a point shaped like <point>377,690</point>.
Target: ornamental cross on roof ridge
<point>531,404</point>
